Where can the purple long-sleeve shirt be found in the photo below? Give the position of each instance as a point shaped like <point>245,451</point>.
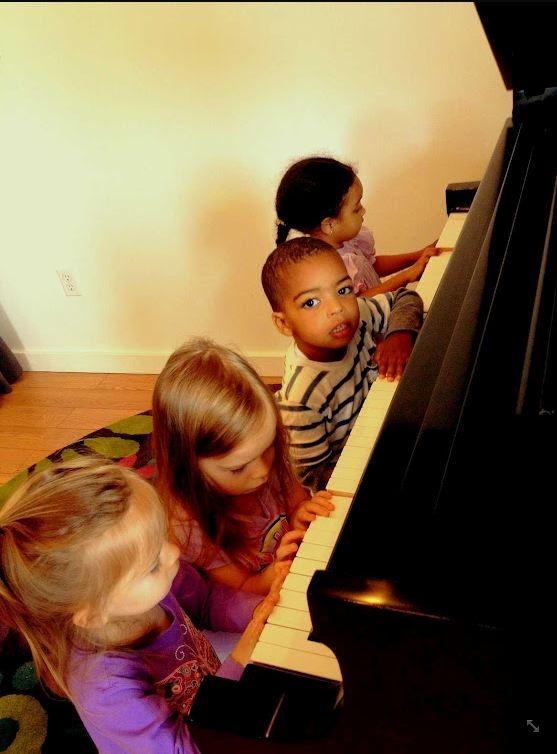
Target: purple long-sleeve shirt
<point>134,701</point>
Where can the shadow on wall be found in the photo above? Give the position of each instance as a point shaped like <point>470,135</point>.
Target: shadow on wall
<point>226,247</point>
<point>405,197</point>
<point>201,279</point>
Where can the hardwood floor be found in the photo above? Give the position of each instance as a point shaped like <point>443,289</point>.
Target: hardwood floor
<point>48,410</point>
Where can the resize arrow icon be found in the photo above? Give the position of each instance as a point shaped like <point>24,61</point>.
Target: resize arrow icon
<point>535,728</point>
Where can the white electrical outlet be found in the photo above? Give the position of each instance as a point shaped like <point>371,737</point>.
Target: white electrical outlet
<point>68,283</point>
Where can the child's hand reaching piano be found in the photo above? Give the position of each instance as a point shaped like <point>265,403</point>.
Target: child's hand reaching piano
<point>414,272</point>
<point>245,646</point>
<point>392,354</point>
<point>286,550</point>
<point>319,505</point>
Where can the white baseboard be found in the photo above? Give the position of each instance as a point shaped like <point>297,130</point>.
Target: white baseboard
<point>266,363</point>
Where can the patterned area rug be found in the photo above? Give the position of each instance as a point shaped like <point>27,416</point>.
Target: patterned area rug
<point>31,720</point>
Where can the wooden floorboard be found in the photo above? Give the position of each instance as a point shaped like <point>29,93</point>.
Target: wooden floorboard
<point>48,410</point>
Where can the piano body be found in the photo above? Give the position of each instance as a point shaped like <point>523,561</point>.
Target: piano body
<point>434,600</point>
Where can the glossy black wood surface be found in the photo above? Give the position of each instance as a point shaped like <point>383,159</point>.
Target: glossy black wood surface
<point>437,599</point>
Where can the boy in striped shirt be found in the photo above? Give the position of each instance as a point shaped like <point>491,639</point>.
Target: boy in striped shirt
<point>334,356</point>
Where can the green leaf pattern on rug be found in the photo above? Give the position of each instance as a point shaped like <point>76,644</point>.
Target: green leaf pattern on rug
<point>42,465</point>
<point>25,677</point>
<point>69,453</point>
<point>133,425</point>
<point>31,720</point>
<point>112,447</point>
<point>7,489</point>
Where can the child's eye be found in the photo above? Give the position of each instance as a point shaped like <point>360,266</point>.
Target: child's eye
<point>156,567</point>
<point>238,471</point>
<point>345,290</point>
<point>310,303</point>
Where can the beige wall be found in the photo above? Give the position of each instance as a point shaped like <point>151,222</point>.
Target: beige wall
<point>141,146</point>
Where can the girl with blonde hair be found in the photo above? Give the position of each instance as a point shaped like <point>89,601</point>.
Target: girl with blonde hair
<point>223,468</point>
<point>88,576</point>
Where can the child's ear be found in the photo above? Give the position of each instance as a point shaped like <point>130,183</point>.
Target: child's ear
<point>327,225</point>
<point>87,618</point>
<point>281,324</point>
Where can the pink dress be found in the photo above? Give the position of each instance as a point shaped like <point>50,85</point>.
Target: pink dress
<point>263,532</point>
<point>358,255</point>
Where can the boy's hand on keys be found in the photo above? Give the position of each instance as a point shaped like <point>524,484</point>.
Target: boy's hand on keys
<point>243,649</point>
<point>392,354</point>
<point>319,505</point>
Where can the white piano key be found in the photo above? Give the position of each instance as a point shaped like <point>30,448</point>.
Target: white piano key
<point>320,537</point>
<point>381,385</point>
<point>315,552</point>
<point>305,567</point>
<point>286,616</point>
<point>293,639</point>
<point>296,582</point>
<point>363,430</point>
<point>324,523</point>
<point>361,442</point>
<point>315,536</point>
<point>300,662</point>
<point>353,458</point>
<point>343,484</point>
<point>429,282</point>
<point>294,600</point>
<point>451,231</point>
<point>376,408</point>
<point>367,434</point>
<point>357,454</point>
<point>369,421</point>
<point>356,464</point>
<point>342,506</point>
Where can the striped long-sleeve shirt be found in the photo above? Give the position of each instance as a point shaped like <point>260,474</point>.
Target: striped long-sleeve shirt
<point>319,401</point>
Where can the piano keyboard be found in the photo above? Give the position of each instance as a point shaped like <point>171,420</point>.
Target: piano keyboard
<point>427,285</point>
<point>284,642</point>
<point>361,440</point>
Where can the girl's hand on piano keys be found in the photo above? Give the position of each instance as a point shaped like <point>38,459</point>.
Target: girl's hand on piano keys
<point>431,250</point>
<point>319,505</point>
<point>287,548</point>
<point>415,272</point>
<point>243,649</point>
<point>392,354</point>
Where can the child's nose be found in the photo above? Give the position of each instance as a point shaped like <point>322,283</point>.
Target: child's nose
<point>335,306</point>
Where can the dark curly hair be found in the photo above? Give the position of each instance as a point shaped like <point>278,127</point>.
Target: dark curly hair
<point>286,254</point>
<point>311,190</point>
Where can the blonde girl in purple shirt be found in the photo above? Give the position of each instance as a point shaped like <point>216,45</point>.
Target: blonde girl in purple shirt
<point>111,613</point>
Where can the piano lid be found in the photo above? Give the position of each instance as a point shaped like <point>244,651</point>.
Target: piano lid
<point>522,39</point>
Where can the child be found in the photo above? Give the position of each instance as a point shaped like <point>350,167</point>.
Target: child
<point>89,578</point>
<point>223,467</point>
<point>322,197</point>
<point>330,367</point>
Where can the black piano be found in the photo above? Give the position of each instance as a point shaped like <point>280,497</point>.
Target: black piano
<point>435,601</point>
